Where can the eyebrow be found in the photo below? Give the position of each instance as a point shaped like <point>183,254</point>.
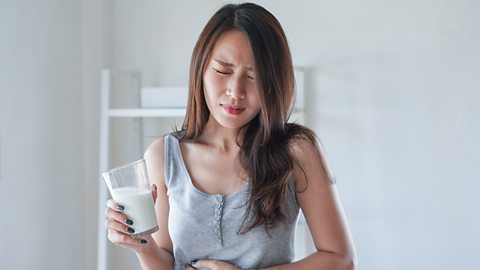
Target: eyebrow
<point>226,64</point>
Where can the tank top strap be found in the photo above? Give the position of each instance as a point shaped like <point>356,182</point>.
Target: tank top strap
<point>173,166</point>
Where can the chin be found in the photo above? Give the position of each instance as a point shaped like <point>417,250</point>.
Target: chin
<point>232,123</point>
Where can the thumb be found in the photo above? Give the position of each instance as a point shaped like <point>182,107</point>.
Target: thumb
<point>154,193</point>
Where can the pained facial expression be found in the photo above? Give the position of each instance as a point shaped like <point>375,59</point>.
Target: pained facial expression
<point>229,82</point>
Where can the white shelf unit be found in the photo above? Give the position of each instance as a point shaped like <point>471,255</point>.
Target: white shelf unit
<point>106,113</point>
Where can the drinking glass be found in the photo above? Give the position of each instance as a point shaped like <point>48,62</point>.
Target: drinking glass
<point>130,187</point>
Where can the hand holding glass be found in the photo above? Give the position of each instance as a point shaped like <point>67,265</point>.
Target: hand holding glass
<point>130,187</point>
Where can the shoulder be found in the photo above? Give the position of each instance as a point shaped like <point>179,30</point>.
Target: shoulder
<point>303,143</point>
<point>155,150</point>
<point>154,158</point>
<point>310,162</point>
<point>305,149</point>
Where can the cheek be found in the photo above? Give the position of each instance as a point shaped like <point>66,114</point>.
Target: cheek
<point>210,90</point>
<point>254,97</point>
<point>212,84</point>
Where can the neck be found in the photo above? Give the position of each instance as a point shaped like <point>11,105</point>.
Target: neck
<point>222,138</point>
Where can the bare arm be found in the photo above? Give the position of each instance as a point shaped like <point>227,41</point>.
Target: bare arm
<point>323,212</point>
<point>158,251</point>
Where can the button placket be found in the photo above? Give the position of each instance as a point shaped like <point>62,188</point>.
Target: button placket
<point>218,219</point>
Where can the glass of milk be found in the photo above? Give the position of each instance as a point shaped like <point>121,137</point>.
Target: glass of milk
<point>129,186</point>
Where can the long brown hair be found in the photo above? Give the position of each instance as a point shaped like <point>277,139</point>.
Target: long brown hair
<point>265,150</point>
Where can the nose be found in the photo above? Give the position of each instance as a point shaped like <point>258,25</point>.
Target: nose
<point>236,89</point>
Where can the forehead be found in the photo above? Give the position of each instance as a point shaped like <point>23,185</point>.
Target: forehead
<point>233,47</point>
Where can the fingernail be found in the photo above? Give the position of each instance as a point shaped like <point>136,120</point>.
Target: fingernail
<point>130,230</point>
<point>143,241</point>
<point>193,261</point>
<point>129,221</point>
<point>120,207</point>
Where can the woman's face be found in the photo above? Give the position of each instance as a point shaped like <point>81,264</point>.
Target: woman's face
<point>229,81</point>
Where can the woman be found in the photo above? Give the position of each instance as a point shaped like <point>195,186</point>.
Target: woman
<point>232,181</point>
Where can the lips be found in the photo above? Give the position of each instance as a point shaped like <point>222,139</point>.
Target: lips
<point>233,110</point>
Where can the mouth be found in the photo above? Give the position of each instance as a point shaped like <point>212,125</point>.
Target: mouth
<point>233,110</point>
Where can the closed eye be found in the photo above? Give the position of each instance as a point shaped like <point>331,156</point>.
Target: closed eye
<point>228,73</point>
<point>221,72</point>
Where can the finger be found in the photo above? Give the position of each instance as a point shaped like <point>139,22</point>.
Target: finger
<point>189,267</point>
<point>118,216</point>
<point>115,206</point>
<point>212,264</point>
<point>154,193</point>
<point>123,239</point>
<point>111,224</point>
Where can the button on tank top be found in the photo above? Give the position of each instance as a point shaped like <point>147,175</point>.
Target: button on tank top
<point>206,226</point>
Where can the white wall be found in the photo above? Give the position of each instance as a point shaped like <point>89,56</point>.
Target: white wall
<point>95,38</point>
<point>42,178</point>
<point>396,94</point>
<point>391,91</point>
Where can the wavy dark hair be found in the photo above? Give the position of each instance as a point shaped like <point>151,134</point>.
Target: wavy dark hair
<point>266,147</point>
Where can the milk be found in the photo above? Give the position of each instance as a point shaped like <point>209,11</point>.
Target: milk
<point>139,208</point>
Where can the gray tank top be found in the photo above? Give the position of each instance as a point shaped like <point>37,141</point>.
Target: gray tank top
<point>206,226</point>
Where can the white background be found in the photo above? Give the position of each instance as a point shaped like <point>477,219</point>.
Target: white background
<point>392,90</point>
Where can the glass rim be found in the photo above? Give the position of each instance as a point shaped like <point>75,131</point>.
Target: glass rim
<point>142,160</point>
